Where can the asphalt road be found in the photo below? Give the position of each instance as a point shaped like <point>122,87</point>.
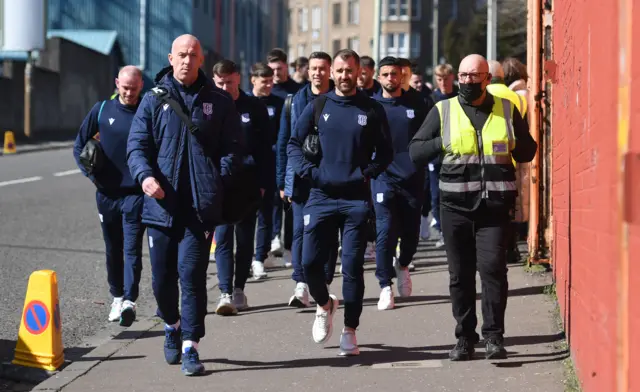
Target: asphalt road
<point>48,220</point>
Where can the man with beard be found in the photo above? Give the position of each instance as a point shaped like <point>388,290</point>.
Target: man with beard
<point>366,80</point>
<point>349,128</point>
<point>397,192</point>
<point>297,189</point>
<point>480,135</point>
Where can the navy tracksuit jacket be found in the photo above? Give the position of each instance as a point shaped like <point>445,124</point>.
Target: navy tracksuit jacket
<point>119,198</point>
<point>351,130</point>
<point>270,213</point>
<point>258,134</point>
<point>398,192</point>
<point>192,176</point>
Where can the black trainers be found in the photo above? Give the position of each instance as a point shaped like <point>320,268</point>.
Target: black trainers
<point>463,351</point>
<point>495,349</point>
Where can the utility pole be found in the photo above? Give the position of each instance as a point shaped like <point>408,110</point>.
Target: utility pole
<point>492,29</point>
<point>377,27</point>
<point>28,70</point>
<point>436,39</point>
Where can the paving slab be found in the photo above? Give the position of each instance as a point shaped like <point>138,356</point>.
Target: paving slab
<point>269,347</point>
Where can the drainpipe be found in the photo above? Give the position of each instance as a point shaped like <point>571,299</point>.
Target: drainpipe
<point>143,35</point>
<point>534,50</point>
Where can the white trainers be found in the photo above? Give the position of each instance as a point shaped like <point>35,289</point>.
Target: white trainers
<point>300,298</point>
<point>412,267</point>
<point>370,252</point>
<point>240,299</point>
<point>403,283</point>
<point>225,306</point>
<point>348,344</point>
<point>258,270</point>
<point>386,301</point>
<point>276,247</point>
<point>323,324</point>
<point>128,313</point>
<point>440,243</point>
<point>116,309</point>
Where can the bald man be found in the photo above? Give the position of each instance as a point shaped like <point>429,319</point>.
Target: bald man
<point>480,135</point>
<point>185,141</point>
<point>118,196</point>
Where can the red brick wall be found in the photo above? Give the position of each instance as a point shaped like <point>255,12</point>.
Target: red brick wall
<point>584,147</point>
<point>587,246</point>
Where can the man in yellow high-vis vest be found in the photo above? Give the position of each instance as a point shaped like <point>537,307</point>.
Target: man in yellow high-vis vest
<point>478,134</point>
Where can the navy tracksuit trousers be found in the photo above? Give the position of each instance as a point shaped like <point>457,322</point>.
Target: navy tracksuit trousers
<point>397,216</point>
<point>323,217</point>
<point>264,233</point>
<point>181,253</point>
<point>122,229</point>
<point>296,248</point>
<point>244,235</point>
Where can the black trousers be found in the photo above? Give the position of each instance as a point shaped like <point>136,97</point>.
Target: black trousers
<point>477,241</point>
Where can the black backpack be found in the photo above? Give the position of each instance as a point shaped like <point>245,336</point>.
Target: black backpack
<point>241,195</point>
<point>92,155</point>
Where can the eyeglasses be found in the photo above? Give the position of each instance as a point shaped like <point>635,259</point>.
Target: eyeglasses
<point>474,76</point>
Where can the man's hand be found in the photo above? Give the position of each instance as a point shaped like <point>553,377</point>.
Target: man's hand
<point>151,188</point>
<point>282,195</point>
<point>261,192</point>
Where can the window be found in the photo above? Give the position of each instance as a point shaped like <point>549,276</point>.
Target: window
<point>291,53</point>
<point>396,45</point>
<point>392,9</point>
<point>316,47</point>
<point>415,45</point>
<point>404,8</point>
<point>196,3</point>
<point>416,9</point>
<point>301,50</point>
<point>303,20</point>
<point>354,11</point>
<point>316,18</point>
<point>354,44</point>
<point>205,4</point>
<point>337,8</point>
<point>336,46</point>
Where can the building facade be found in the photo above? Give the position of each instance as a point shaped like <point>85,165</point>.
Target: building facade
<point>241,30</point>
<point>405,26</point>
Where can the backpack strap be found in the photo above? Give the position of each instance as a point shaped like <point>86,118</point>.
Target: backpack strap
<point>288,102</point>
<point>318,105</point>
<point>163,96</point>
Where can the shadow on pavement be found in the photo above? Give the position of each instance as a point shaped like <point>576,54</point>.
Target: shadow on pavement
<point>380,354</point>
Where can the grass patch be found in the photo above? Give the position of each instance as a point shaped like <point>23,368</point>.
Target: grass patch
<point>570,377</point>
<point>536,268</point>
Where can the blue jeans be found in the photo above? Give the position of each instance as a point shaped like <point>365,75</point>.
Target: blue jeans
<point>323,217</point>
<point>181,253</point>
<point>122,229</point>
<point>244,235</point>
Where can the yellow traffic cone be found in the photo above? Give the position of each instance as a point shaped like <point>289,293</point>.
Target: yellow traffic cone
<point>9,143</point>
<point>40,337</point>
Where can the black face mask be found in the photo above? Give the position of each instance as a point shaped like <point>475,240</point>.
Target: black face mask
<point>470,91</point>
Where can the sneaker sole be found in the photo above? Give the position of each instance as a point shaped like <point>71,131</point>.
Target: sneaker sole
<point>226,310</point>
<point>295,302</point>
<point>127,317</point>
<point>259,277</point>
<point>192,374</point>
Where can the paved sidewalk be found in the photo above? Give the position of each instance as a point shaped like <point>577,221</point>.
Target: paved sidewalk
<point>269,347</point>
